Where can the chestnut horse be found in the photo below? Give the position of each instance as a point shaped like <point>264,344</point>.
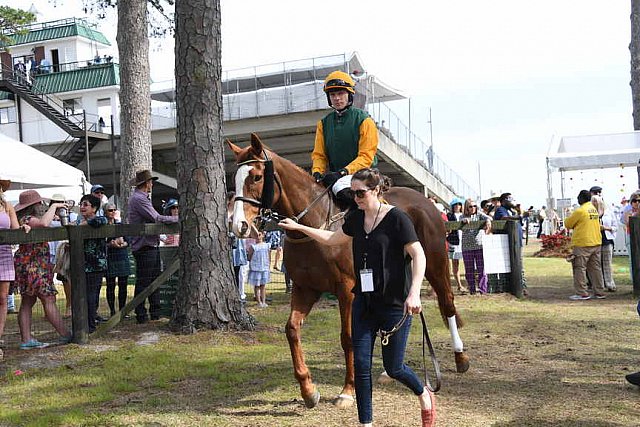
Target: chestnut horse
<point>315,268</point>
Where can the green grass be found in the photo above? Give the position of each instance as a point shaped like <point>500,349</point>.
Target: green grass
<point>543,360</point>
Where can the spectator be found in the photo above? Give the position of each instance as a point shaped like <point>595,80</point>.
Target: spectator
<point>596,190</point>
<point>259,257</point>
<point>586,241</point>
<point>34,272</point>
<point>274,239</point>
<point>238,250</point>
<point>170,208</point>
<point>95,256</point>
<point>454,240</point>
<point>487,207</point>
<point>53,249</point>
<point>608,228</point>
<point>632,209</point>
<point>8,220</point>
<point>472,248</point>
<point>509,211</point>
<point>118,265</point>
<point>98,191</point>
<point>145,248</point>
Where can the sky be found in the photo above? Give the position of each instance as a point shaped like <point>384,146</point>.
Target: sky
<point>501,77</point>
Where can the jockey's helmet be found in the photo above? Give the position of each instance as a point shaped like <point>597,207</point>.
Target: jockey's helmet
<point>339,80</point>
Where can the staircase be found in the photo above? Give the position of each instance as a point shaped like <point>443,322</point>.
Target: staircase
<point>73,150</point>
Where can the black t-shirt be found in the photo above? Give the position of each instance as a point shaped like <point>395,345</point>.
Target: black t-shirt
<point>384,249</point>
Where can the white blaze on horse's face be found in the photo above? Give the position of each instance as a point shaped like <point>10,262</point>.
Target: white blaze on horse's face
<point>240,226</point>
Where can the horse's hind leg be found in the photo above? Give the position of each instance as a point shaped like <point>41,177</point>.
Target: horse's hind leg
<point>302,301</point>
<point>438,275</point>
<point>345,298</point>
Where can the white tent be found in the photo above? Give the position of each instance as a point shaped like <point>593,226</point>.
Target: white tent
<point>594,151</point>
<point>28,168</point>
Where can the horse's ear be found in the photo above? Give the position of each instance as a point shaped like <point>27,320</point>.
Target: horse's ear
<point>256,144</point>
<point>236,150</point>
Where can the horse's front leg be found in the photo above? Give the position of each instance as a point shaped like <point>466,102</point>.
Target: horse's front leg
<point>345,298</point>
<point>302,301</point>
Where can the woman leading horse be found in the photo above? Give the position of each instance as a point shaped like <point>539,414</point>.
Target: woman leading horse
<point>264,182</point>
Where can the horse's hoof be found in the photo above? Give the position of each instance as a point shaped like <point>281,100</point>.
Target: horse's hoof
<point>344,401</point>
<point>312,401</point>
<point>462,362</point>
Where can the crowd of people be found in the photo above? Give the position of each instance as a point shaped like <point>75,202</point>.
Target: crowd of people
<point>30,270</point>
<point>467,244</point>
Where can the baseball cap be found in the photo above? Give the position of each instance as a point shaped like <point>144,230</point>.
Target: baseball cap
<point>595,189</point>
<point>96,188</point>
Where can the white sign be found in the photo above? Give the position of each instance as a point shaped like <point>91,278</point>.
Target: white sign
<point>563,203</point>
<point>495,250</point>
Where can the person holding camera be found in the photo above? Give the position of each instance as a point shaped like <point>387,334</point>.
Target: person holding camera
<point>62,217</point>
<point>34,272</point>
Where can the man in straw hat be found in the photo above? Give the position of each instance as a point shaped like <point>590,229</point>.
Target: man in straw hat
<point>145,248</point>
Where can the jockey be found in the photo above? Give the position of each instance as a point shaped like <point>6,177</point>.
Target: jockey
<point>346,139</point>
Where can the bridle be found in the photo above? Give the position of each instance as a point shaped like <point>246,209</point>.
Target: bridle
<point>426,343</point>
<point>265,204</point>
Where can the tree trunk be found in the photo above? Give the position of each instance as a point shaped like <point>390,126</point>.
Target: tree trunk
<point>135,97</point>
<point>634,48</point>
<point>208,296</point>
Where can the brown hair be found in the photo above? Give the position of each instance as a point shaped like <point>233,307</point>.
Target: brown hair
<point>372,178</point>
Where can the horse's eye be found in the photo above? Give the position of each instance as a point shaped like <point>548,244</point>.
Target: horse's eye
<point>257,178</point>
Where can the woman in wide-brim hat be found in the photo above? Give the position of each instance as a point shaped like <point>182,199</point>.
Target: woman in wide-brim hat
<point>34,272</point>
<point>8,220</point>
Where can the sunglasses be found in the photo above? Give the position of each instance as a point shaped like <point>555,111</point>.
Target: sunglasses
<point>473,206</point>
<point>635,200</point>
<point>359,193</point>
<point>111,210</point>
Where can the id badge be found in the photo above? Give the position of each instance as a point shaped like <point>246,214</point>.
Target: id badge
<point>366,280</point>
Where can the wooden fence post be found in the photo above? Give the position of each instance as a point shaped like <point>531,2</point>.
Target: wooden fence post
<point>79,319</point>
<point>634,223</point>
<point>515,258</point>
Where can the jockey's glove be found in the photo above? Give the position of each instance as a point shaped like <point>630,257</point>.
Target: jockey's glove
<point>331,178</point>
<point>318,176</point>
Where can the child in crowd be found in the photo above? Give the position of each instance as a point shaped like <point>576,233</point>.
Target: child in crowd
<point>259,262</point>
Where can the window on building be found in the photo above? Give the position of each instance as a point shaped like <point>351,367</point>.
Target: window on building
<point>72,106</point>
<point>7,115</point>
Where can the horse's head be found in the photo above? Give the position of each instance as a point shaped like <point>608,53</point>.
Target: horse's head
<point>254,184</point>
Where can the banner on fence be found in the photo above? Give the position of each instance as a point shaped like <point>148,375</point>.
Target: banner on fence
<point>495,250</point>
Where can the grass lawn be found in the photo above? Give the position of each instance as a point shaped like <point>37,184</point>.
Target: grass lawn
<point>539,361</point>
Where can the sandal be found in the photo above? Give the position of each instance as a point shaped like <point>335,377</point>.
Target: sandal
<point>429,415</point>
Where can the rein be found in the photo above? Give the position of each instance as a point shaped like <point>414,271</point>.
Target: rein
<point>384,339</point>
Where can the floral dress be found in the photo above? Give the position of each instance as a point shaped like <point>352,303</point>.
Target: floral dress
<point>34,272</point>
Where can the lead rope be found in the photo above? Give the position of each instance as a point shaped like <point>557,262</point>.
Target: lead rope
<point>426,344</point>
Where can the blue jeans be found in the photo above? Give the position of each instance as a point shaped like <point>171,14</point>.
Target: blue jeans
<point>363,335</point>
<point>147,270</point>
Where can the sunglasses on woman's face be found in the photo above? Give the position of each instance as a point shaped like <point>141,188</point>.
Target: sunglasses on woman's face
<point>111,210</point>
<point>360,193</point>
<point>635,200</point>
